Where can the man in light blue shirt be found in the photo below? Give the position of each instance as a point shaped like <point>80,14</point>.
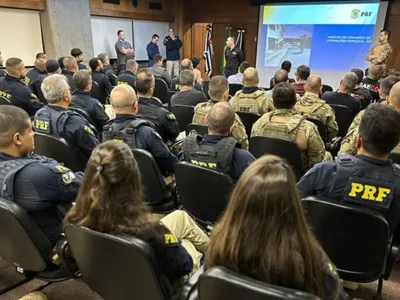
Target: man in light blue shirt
<point>238,78</point>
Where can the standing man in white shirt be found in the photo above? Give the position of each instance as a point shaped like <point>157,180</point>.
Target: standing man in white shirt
<point>122,48</point>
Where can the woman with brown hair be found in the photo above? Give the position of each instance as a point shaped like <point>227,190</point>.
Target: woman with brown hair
<point>110,200</point>
<point>264,234</point>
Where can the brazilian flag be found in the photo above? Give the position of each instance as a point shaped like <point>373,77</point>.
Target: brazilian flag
<point>223,60</point>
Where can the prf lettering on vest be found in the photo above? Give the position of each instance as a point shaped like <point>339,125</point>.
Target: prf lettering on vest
<point>4,94</point>
<point>121,82</point>
<point>369,192</point>
<point>204,164</point>
<point>42,125</point>
<point>170,239</point>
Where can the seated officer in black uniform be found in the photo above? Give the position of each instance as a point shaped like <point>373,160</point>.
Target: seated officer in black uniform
<point>81,99</point>
<point>216,150</point>
<point>55,119</point>
<point>70,66</point>
<point>128,76</point>
<point>36,73</point>
<point>135,131</point>
<point>17,92</point>
<point>98,76</point>
<point>369,178</point>
<point>107,68</point>
<point>40,185</point>
<point>166,124</point>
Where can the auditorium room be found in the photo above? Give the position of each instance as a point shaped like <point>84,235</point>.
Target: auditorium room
<point>200,150</point>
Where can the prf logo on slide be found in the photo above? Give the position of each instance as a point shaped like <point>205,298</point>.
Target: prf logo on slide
<point>356,13</point>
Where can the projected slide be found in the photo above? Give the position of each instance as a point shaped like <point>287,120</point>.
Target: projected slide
<point>322,36</point>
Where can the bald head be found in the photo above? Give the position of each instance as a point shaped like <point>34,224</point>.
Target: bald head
<point>250,77</point>
<point>123,99</point>
<point>281,76</point>
<point>40,63</point>
<point>186,64</point>
<point>220,119</point>
<point>394,96</point>
<point>313,84</point>
<point>70,64</point>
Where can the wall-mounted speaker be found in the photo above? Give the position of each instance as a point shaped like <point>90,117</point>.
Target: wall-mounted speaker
<point>135,3</point>
<point>155,5</point>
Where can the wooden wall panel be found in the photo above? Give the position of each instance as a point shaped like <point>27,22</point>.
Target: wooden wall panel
<point>393,24</point>
<point>126,10</point>
<point>26,4</point>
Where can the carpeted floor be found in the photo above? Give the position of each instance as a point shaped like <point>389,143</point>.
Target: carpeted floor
<point>78,290</point>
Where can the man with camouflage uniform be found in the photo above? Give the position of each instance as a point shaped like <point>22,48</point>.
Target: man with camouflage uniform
<point>219,91</point>
<point>312,107</point>
<point>379,54</point>
<point>389,85</point>
<point>285,123</point>
<point>251,98</point>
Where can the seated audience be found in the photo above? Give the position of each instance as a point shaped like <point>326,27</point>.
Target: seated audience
<point>55,119</point>
<point>2,73</point>
<point>42,56</point>
<point>18,93</point>
<point>251,98</point>
<point>134,131</point>
<point>81,99</point>
<point>222,150</point>
<point>186,64</point>
<point>38,184</point>
<point>78,54</point>
<point>302,74</point>
<point>371,82</point>
<point>311,106</point>
<point>52,67</point>
<point>388,87</point>
<point>196,69</point>
<point>287,124</point>
<point>287,66</point>
<point>34,74</point>
<point>359,92</point>
<point>107,68</point>
<point>342,96</point>
<point>264,234</point>
<point>368,179</point>
<point>129,75</point>
<point>160,72</point>
<point>187,94</point>
<point>100,78</point>
<point>111,201</point>
<point>238,78</point>
<point>166,124</point>
<point>69,67</point>
<point>219,91</point>
<point>280,76</point>
<point>61,63</point>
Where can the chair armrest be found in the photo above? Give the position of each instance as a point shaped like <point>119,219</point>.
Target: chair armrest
<point>189,288</point>
<point>65,255</point>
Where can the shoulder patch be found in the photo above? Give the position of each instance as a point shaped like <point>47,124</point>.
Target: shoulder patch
<point>169,238</point>
<point>157,134</point>
<point>171,116</point>
<point>67,176</point>
<point>88,129</point>
<point>33,95</point>
<point>332,268</point>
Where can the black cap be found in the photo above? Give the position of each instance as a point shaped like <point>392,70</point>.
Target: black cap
<point>52,66</point>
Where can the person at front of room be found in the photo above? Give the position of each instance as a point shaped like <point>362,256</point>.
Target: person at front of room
<point>281,249</point>
<point>238,78</point>
<point>55,119</point>
<point>371,82</point>
<point>172,43</point>
<point>159,71</point>
<point>233,57</point>
<point>186,64</point>
<point>342,96</point>
<point>122,48</point>
<point>39,185</point>
<point>129,75</point>
<point>107,68</point>
<point>135,131</point>
<point>111,201</point>
<point>302,74</point>
<point>251,99</point>
<point>360,92</point>
<point>380,54</point>
<point>78,54</point>
<point>368,179</point>
<point>222,149</point>
<point>219,91</point>
<point>285,123</point>
<point>18,93</point>
<point>187,94</point>
<point>152,49</point>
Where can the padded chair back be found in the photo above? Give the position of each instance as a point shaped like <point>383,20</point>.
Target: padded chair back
<point>200,129</point>
<point>169,96</point>
<point>206,84</point>
<point>161,90</point>
<point>22,242</point>
<point>184,115</point>
<point>207,199</point>
<point>261,145</point>
<point>4,101</point>
<point>97,93</point>
<point>248,120</point>
<point>116,268</point>
<point>395,157</point>
<point>153,180</point>
<point>57,149</point>
<point>321,128</point>
<point>355,239</point>
<point>344,117</point>
<point>222,283</point>
<point>234,87</point>
<point>326,88</point>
